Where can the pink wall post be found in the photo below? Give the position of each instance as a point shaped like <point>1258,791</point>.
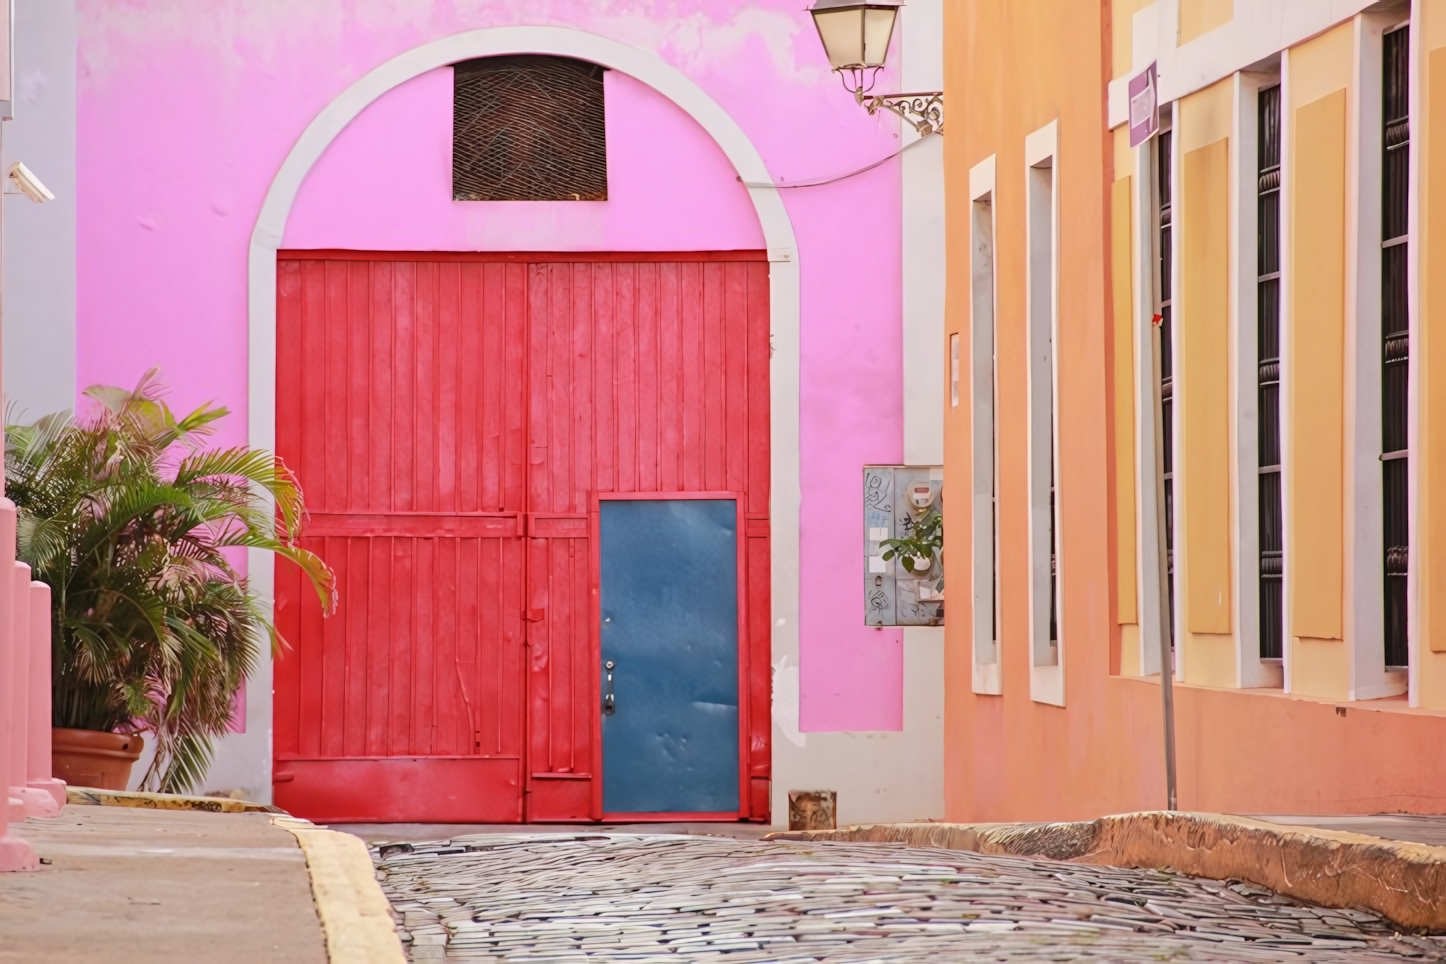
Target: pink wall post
<point>186,110</point>
<point>37,758</point>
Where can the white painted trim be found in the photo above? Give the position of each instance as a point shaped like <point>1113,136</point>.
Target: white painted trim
<point>1287,511</point>
<point>643,66</point>
<point>923,244</point>
<point>1046,668</point>
<point>1040,146</point>
<point>1258,30</point>
<point>1413,297</point>
<point>1364,496</point>
<point>1250,670</point>
<point>983,435</point>
<point>1150,538</point>
<point>981,178</point>
<point>1178,386</point>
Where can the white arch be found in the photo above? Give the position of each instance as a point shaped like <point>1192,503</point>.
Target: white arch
<point>643,66</point>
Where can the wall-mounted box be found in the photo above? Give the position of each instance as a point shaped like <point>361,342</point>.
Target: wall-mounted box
<point>897,498</point>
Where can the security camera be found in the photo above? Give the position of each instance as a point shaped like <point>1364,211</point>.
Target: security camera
<point>22,181</point>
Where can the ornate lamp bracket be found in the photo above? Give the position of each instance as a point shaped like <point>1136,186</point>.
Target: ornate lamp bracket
<point>923,110</point>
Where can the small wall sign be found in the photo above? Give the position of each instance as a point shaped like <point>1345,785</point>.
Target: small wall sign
<point>1144,106</point>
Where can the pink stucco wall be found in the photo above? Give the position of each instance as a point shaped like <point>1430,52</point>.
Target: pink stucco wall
<point>188,107</point>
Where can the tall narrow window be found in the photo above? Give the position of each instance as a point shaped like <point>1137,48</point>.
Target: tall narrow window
<point>1267,295</point>
<point>1395,340</point>
<point>984,436</point>
<point>1044,560</point>
<point>1167,375</point>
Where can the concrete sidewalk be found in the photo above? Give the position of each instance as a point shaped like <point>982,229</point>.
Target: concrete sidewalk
<point>134,885</point>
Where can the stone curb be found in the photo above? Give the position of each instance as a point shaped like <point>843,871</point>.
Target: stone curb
<point>355,915</point>
<point>1405,882</point>
<point>89,796</point>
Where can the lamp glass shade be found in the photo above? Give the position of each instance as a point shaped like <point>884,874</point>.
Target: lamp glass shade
<point>878,28</point>
<point>854,34</point>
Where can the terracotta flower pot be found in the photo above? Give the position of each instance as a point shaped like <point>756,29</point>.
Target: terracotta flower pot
<point>90,758</point>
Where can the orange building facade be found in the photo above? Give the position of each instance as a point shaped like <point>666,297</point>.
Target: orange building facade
<point>1194,412</point>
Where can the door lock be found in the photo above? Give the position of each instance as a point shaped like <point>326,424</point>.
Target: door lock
<point>609,702</point>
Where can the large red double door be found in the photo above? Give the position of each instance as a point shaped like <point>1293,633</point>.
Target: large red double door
<point>452,420</point>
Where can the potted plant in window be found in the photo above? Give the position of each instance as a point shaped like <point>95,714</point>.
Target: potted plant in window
<point>137,529</point>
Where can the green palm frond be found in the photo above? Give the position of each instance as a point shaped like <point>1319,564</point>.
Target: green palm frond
<point>130,521</point>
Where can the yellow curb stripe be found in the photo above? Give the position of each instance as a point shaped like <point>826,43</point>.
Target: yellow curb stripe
<point>355,916</point>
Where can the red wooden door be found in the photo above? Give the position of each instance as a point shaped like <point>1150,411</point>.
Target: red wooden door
<point>443,414</point>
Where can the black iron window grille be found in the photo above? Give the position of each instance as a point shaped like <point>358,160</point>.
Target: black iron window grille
<point>528,128</point>
<point>1267,293</point>
<point>1167,372</point>
<point>1395,340</point>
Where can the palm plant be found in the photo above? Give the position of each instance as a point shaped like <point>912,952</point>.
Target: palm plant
<point>135,527</point>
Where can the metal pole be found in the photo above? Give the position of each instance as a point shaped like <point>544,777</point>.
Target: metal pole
<point>1167,696</point>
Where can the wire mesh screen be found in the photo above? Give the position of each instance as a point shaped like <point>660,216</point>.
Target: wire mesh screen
<point>528,128</point>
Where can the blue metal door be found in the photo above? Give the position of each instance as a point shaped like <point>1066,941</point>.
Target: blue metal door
<point>669,641</point>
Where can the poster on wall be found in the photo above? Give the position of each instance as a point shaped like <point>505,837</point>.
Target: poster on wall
<point>903,502</point>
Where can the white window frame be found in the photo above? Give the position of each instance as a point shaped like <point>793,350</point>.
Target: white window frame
<point>1041,177</point>
<point>1150,534</point>
<point>1364,496</point>
<point>983,424</point>
<point>1250,670</point>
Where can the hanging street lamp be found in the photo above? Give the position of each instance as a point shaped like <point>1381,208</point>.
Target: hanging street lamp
<point>855,37</point>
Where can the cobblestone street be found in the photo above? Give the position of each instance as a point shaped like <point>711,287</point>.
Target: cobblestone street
<point>616,897</point>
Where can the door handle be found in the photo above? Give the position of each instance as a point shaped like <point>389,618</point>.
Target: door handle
<point>609,702</point>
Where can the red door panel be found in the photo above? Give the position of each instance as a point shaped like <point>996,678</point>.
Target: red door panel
<point>452,419</point>
<point>402,413</point>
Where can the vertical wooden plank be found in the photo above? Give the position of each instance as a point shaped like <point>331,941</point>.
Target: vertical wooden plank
<point>516,374</point>
<point>331,721</point>
<point>647,389</point>
<point>539,700</point>
<point>735,377</point>
<point>580,469</point>
<point>378,643</point>
<point>380,397</point>
<point>447,416</point>
<point>353,632</point>
<point>559,387</point>
<point>404,387</point>
<point>712,363</point>
<point>691,316</point>
<point>759,363</point>
<point>286,688</point>
<point>469,374</point>
<point>511,669</point>
<point>625,381</point>
<point>402,735</point>
<point>334,410</point>
<point>583,700</point>
<point>613,292</point>
<point>666,287</point>
<point>490,688</point>
<point>489,365</point>
<point>468,622</point>
<point>358,384</point>
<point>560,619</point>
<point>424,408</point>
<point>311,668</point>
<point>538,434</point>
<point>311,464</point>
<point>451,708</point>
<point>424,639</point>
